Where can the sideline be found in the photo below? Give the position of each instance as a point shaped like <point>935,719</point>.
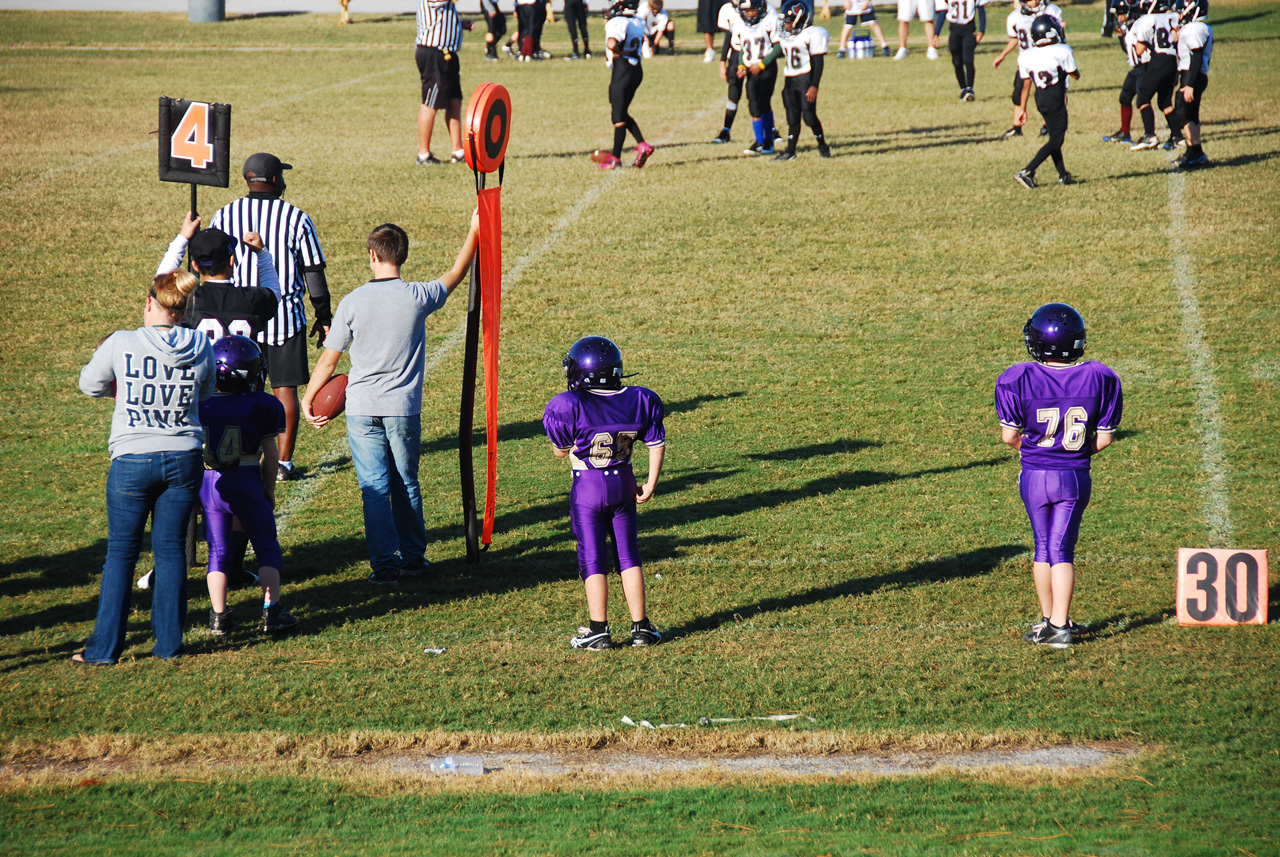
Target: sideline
<point>1199,358</point>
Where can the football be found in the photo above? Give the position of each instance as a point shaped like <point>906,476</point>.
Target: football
<point>332,398</point>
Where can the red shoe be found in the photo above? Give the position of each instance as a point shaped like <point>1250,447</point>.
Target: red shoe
<point>643,151</point>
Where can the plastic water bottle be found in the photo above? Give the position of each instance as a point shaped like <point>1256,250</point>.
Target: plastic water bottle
<point>851,49</point>
<point>458,765</point>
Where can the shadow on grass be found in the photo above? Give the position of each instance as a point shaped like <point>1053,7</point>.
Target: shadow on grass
<point>1240,19</point>
<point>1121,623</point>
<point>817,450</point>
<point>966,565</point>
<point>72,568</point>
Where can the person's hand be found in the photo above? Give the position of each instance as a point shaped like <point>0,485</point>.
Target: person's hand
<point>977,37</point>
<point>317,422</point>
<point>1188,94</point>
<point>190,226</point>
<point>644,492</point>
<point>253,240</point>
<point>467,24</point>
<point>320,331</point>
<point>995,63</point>
<point>1019,116</point>
<point>475,220</point>
<point>742,72</point>
<point>811,94</point>
<point>724,73</point>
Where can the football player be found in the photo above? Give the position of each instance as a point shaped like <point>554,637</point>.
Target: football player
<point>657,25</point>
<point>595,424</point>
<point>804,50</point>
<point>496,20</point>
<point>1195,49</point>
<point>1124,14</point>
<point>962,38</point>
<point>1154,47</point>
<point>1018,28</point>
<point>1046,66</point>
<point>756,36</point>
<point>1058,413</point>
<point>240,427</point>
<point>624,34</point>
<point>729,55</point>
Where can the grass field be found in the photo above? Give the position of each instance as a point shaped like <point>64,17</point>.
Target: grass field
<point>837,533</point>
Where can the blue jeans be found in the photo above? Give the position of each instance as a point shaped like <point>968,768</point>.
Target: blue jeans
<point>165,486</point>
<point>385,452</point>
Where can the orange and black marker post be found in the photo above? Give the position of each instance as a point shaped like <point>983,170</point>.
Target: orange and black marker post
<point>488,126</point>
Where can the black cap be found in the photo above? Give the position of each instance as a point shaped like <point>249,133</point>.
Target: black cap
<point>210,248</point>
<point>263,166</point>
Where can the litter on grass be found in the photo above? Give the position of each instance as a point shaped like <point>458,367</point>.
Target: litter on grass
<point>712,721</point>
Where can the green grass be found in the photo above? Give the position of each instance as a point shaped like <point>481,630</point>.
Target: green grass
<point>837,532</point>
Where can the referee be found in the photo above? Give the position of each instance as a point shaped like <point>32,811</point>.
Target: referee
<point>288,233</point>
<point>439,38</point>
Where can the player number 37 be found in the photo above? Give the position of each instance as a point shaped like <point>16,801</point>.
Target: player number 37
<point>1075,428</point>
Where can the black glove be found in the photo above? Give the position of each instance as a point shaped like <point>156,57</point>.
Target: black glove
<point>319,330</point>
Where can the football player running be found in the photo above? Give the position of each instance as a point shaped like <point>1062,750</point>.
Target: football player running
<point>1046,66</point>
<point>595,425</point>
<point>1195,48</point>
<point>1058,413</point>
<point>756,35</point>
<point>1155,48</point>
<point>804,50</point>
<point>1018,28</point>
<point>624,34</point>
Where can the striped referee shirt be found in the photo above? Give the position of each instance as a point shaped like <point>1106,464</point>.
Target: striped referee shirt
<point>288,233</point>
<point>439,25</point>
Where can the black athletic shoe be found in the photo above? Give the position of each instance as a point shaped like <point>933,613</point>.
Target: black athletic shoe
<point>427,160</point>
<point>491,56</point>
<point>1117,137</point>
<point>1044,130</point>
<point>1044,634</point>
<point>647,636</point>
<point>1026,179</point>
<point>573,56</point>
<point>784,156</point>
<point>417,568</point>
<point>1195,162</point>
<point>391,578</point>
<point>824,150</point>
<point>591,640</point>
<point>276,618</point>
<point>221,624</point>
<point>1076,630</point>
<point>722,137</point>
<point>1066,178</point>
<point>1015,131</point>
<point>753,149</point>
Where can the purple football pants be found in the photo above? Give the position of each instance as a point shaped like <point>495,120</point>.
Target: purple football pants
<point>1055,501</point>
<point>601,501</point>
<point>237,493</point>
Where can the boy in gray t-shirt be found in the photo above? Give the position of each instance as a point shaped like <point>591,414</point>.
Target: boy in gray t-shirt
<point>380,325</point>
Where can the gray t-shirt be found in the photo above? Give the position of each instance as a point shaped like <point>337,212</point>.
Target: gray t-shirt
<point>380,324</point>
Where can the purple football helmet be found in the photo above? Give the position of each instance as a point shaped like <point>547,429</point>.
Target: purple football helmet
<point>1055,332</point>
<point>594,363</point>
<point>238,362</point>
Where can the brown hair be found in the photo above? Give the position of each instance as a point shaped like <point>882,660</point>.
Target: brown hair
<point>389,243</point>
<point>171,290</point>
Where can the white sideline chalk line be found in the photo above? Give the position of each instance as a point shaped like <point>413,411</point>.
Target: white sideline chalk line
<point>151,143</point>
<point>1199,359</point>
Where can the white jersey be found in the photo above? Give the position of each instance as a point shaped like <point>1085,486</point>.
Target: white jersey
<point>728,14</point>
<point>1047,67</point>
<point>1156,32</point>
<point>857,7</point>
<point>755,40</point>
<point>1193,36</point>
<point>962,11</point>
<point>654,22</point>
<point>797,49</point>
<point>1018,26</point>
<point>1131,50</point>
<point>629,33</point>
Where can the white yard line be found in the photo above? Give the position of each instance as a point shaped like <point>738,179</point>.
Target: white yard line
<point>1199,359</point>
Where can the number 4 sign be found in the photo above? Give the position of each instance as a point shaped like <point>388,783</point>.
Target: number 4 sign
<point>195,142</point>
<point>1222,587</point>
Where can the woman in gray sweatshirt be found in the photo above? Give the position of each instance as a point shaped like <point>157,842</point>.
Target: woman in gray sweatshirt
<point>157,374</point>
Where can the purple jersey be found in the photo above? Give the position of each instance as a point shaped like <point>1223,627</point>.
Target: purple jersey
<point>598,427</point>
<point>235,424</point>
<point>1059,410</point>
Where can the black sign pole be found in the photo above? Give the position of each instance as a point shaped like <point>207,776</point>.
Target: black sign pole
<point>466,414</point>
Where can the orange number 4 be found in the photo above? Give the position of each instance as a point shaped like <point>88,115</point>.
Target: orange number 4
<point>191,139</point>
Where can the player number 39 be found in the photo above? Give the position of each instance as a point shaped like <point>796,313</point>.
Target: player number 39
<point>1075,427</point>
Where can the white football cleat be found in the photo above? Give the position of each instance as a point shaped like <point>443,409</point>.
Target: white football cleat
<point>932,53</point>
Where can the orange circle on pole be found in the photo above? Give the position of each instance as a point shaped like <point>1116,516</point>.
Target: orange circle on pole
<point>488,125</point>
